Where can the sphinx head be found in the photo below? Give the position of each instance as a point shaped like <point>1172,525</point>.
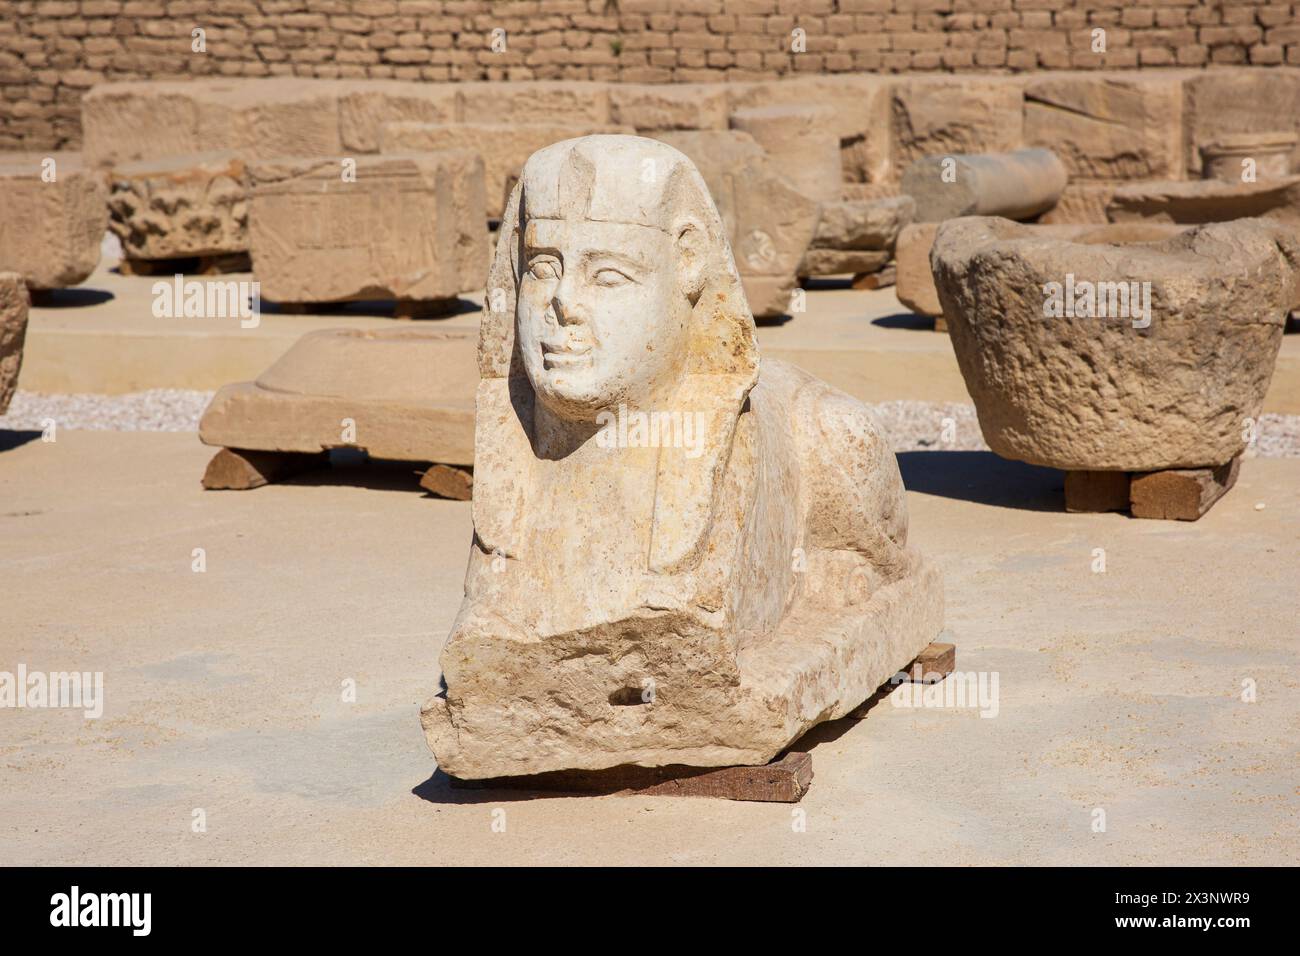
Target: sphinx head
<point>617,235</point>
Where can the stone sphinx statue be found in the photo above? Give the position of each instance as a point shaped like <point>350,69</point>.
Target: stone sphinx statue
<point>678,558</point>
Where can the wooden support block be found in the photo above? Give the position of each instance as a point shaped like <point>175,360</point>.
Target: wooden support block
<point>448,481</point>
<point>883,279</point>
<point>785,780</point>
<point>932,665</point>
<point>940,324</point>
<point>424,308</point>
<point>237,470</point>
<point>1093,491</point>
<point>1182,494</point>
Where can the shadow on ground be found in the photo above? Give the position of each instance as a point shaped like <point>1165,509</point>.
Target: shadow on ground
<point>16,438</point>
<point>983,478</point>
<point>906,320</point>
<point>69,298</point>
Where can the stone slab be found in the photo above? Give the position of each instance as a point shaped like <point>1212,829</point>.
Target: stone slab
<point>53,214</point>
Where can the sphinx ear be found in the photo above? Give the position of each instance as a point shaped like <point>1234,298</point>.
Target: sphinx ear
<point>692,256</point>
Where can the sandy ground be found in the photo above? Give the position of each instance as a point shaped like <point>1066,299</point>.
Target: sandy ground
<point>1119,692</point>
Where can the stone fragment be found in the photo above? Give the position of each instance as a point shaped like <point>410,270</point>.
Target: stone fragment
<point>405,394</point>
<point>1183,494</point>
<point>1108,127</point>
<point>769,223</point>
<point>1226,102</point>
<point>863,223</point>
<point>956,115</point>
<point>53,215</point>
<point>446,481</point>
<point>1206,200</point>
<point>242,470</point>
<point>801,143</point>
<point>1095,491</point>
<point>366,109</point>
<point>13,332</point>
<point>631,596</point>
<point>834,262</point>
<point>409,227</point>
<point>1016,185</point>
<point>1095,356</point>
<point>535,101</point>
<point>504,147</point>
<point>1249,157</point>
<point>181,206</point>
<point>1080,204</point>
<point>912,258</point>
<point>659,107</point>
<point>881,279</point>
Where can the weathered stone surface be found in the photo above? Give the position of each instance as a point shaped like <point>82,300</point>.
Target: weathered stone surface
<point>53,216</point>
<point>659,602</point>
<point>657,107</point>
<point>543,101</point>
<point>181,206</point>
<point>407,227</point>
<point>1015,185</point>
<point>504,147</point>
<point>863,223</point>
<point>915,285</point>
<point>1080,204</point>
<point>1108,127</point>
<point>801,143</point>
<point>1125,379</point>
<point>366,109</point>
<point>256,118</point>
<point>942,116</point>
<point>1206,200</point>
<point>834,262</point>
<point>769,223</point>
<point>1249,157</point>
<point>1226,102</point>
<point>860,116</point>
<point>405,394</point>
<point>13,332</point>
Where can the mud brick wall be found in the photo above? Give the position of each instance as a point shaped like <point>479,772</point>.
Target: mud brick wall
<point>52,51</point>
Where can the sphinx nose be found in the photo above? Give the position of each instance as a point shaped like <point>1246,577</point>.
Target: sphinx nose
<point>565,305</point>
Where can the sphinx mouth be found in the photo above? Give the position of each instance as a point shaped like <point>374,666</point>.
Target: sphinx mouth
<point>555,356</point>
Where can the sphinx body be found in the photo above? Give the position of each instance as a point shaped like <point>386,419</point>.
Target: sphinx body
<point>630,601</point>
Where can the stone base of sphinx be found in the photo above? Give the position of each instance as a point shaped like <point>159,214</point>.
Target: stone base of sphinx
<point>576,701</point>
<point>1179,494</point>
<point>784,780</point>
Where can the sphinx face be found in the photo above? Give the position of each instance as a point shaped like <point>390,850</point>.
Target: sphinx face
<point>601,317</point>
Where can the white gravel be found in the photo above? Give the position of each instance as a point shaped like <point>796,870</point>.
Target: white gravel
<point>909,425</point>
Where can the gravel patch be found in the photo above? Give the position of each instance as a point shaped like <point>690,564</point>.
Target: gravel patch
<point>907,425</point>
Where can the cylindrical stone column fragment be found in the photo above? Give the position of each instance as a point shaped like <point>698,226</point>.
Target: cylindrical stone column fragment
<point>1016,185</point>
<point>802,143</point>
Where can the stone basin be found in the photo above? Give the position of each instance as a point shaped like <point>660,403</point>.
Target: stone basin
<point>1167,382</point>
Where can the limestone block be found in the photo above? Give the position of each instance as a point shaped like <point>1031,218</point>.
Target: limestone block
<point>181,206</point>
<point>364,110</point>
<point>1206,200</point>
<point>657,107</point>
<point>53,215</point>
<point>534,101</point>
<point>769,223</point>
<point>915,285</point>
<point>1102,356</point>
<point>408,394</point>
<point>863,223</point>
<point>801,143</point>
<point>1226,102</point>
<point>13,331</point>
<point>860,116</point>
<point>1108,127</point>
<point>834,262</point>
<point>405,227</point>
<point>1080,204</point>
<point>961,114</point>
<point>1249,157</point>
<point>504,147</point>
<point>1016,185</point>
<point>636,597</point>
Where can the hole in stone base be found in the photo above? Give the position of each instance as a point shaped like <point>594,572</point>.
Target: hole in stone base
<point>627,697</point>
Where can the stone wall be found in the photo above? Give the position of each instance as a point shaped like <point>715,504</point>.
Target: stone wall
<point>52,51</point>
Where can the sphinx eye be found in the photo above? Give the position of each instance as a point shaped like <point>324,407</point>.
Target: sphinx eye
<point>544,269</point>
<point>610,277</point>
